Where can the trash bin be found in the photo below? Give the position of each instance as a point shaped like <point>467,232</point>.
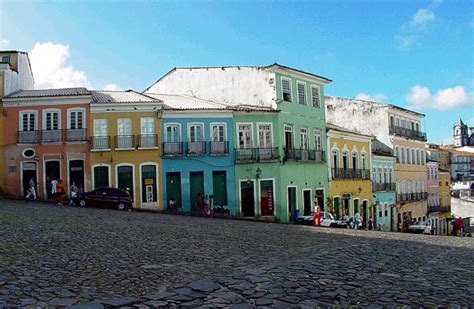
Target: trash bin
<point>296,214</point>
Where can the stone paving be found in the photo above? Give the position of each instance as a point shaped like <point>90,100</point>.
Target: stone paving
<point>61,256</point>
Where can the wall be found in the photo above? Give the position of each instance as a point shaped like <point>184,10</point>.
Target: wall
<point>444,188</point>
<point>231,85</point>
<point>20,75</point>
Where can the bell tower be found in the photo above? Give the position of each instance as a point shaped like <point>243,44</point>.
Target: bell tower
<point>460,134</point>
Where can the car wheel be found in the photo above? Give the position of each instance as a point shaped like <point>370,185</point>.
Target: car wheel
<point>82,202</point>
<point>332,225</point>
<point>122,206</point>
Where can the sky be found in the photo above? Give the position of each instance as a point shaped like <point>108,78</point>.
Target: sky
<point>414,54</point>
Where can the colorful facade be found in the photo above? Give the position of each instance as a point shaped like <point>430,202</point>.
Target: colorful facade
<point>350,189</point>
<point>47,140</point>
<point>124,140</point>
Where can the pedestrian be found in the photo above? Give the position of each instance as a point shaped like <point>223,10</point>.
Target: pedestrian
<point>357,221</point>
<point>200,202</point>
<point>371,223</point>
<point>460,225</point>
<point>316,214</point>
<point>54,187</point>
<point>73,193</point>
<point>31,192</point>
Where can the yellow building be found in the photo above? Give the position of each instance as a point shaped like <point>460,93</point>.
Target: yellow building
<point>443,158</point>
<point>350,189</point>
<point>126,127</point>
<point>445,189</point>
<point>15,74</point>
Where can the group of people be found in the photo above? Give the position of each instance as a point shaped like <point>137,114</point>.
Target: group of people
<point>357,221</point>
<point>55,190</point>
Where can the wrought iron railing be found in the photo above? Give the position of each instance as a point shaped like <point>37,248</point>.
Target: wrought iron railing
<point>28,137</point>
<point>76,135</point>
<point>383,186</point>
<point>124,141</point>
<point>100,142</point>
<point>172,149</point>
<point>405,197</point>
<point>414,134</point>
<point>219,148</point>
<point>148,140</point>
<point>349,173</point>
<point>246,155</point>
<point>51,136</point>
<point>195,148</point>
<point>267,154</point>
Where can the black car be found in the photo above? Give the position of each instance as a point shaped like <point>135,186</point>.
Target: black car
<point>105,197</point>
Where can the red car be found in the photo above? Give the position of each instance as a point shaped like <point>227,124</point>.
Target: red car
<point>105,197</point>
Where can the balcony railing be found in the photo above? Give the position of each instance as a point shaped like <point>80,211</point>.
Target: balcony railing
<point>439,208</point>
<point>148,141</point>
<point>28,137</point>
<point>246,155</point>
<point>406,197</point>
<point>173,149</point>
<point>51,136</point>
<point>414,134</point>
<point>349,173</point>
<point>219,148</point>
<point>267,154</point>
<point>124,141</point>
<point>100,142</point>
<point>304,155</point>
<point>389,186</point>
<point>76,135</point>
<point>195,148</point>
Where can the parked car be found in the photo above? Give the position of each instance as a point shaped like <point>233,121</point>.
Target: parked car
<point>105,197</point>
<point>420,228</point>
<point>327,220</point>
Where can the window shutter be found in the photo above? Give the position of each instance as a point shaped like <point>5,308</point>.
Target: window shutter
<point>301,94</point>
<point>286,89</point>
<point>315,96</point>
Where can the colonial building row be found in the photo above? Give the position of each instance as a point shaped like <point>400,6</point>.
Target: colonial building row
<point>254,140</point>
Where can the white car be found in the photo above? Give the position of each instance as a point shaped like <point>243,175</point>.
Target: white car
<point>420,228</point>
<point>327,220</point>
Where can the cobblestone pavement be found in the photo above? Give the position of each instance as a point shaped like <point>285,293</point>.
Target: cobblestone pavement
<point>91,258</point>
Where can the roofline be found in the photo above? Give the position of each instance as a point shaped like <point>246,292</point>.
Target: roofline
<point>54,97</point>
<point>154,100</point>
<point>380,103</point>
<point>327,80</point>
<point>331,126</point>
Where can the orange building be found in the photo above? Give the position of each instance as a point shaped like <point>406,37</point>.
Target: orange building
<point>45,134</point>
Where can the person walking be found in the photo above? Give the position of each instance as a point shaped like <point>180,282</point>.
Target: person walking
<point>371,223</point>
<point>460,225</point>
<point>32,189</point>
<point>73,193</point>
<point>357,220</point>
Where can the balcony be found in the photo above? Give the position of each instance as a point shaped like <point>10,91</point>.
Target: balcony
<point>196,148</point>
<point>439,208</point>
<point>100,143</point>
<point>28,137</point>
<point>405,132</point>
<point>267,154</point>
<point>51,136</point>
<point>76,135</point>
<point>173,149</point>
<point>304,155</point>
<point>125,142</point>
<point>246,155</point>
<point>219,148</point>
<point>148,141</point>
<point>410,197</point>
<point>349,173</point>
<point>389,186</point>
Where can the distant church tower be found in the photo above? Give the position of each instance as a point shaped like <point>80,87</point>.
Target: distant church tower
<point>460,134</point>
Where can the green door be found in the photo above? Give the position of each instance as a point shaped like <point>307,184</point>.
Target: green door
<point>125,178</point>
<point>149,192</point>
<point>101,177</point>
<point>173,188</point>
<point>196,182</point>
<point>219,187</point>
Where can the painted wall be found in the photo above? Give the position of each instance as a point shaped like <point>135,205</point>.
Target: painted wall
<point>206,163</point>
<point>445,188</point>
<point>19,75</point>
<point>62,152</point>
<point>384,213</point>
<point>114,158</point>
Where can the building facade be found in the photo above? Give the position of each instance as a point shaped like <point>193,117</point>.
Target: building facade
<point>280,132</point>
<point>401,130</point>
<point>124,145</point>
<point>46,140</point>
<point>350,189</point>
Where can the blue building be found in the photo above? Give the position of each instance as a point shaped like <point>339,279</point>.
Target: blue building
<point>197,152</point>
<point>383,187</point>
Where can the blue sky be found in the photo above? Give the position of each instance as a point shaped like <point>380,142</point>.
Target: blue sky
<point>417,54</point>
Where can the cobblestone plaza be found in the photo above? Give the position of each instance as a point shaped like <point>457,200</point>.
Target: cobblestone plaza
<point>62,256</point>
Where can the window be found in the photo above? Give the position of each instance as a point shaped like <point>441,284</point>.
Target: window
<point>335,158</point>
<point>147,125</point>
<point>286,89</point>
<point>244,133</point>
<point>27,121</point>
<point>5,59</point>
<point>364,162</point>
<point>355,160</point>
<point>301,92</point>
<point>195,133</point>
<point>412,160</point>
<point>304,138</point>
<point>288,136</point>
<point>397,153</point>
<point>76,119</point>
<point>374,174</point>
<point>100,127</point>
<point>51,120</point>
<point>317,140</point>
<point>264,136</point>
<point>315,96</point>
<point>124,126</point>
<point>218,132</point>
<point>345,160</point>
<point>173,134</point>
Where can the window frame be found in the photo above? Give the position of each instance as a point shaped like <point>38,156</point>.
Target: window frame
<point>178,131</point>
<point>211,129</point>
<point>44,122</point>
<point>282,89</point>
<point>35,122</point>
<point>318,88</point>
<point>75,110</point>
<point>301,83</point>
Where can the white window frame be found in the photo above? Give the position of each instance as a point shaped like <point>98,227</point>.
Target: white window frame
<point>20,122</point>
<point>319,95</point>
<point>75,110</point>
<point>196,124</point>
<point>211,133</point>
<point>94,121</point>
<point>251,134</point>
<point>291,90</point>
<point>317,133</point>
<point>172,124</point>
<point>142,122</point>
<point>126,120</point>
<point>271,133</point>
<point>304,133</point>
<point>298,83</point>
<point>52,110</point>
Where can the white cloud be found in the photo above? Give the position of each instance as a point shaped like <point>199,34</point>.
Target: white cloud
<point>112,87</point>
<point>48,62</point>
<point>4,44</point>
<point>405,42</point>
<point>377,97</point>
<point>422,16</point>
<point>421,97</point>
